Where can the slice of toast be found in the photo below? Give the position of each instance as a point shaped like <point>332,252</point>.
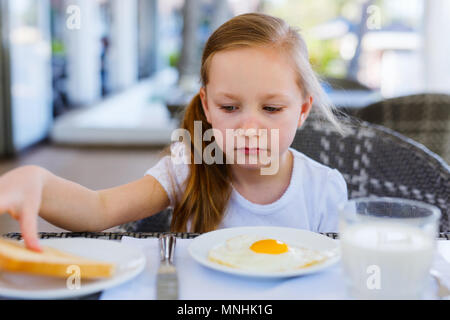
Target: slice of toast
<point>14,257</point>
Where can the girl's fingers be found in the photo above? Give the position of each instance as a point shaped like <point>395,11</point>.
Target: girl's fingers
<point>3,208</point>
<point>28,226</point>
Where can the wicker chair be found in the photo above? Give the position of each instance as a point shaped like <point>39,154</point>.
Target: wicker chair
<point>423,117</point>
<point>346,84</point>
<point>159,222</point>
<point>375,161</point>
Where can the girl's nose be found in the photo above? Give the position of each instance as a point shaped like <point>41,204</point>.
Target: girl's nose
<point>249,129</point>
<point>251,122</point>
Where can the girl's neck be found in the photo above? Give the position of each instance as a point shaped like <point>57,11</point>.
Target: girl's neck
<point>246,179</point>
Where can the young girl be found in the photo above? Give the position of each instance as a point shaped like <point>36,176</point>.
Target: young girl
<point>255,75</point>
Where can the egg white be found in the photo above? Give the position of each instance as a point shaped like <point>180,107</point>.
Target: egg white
<point>236,253</point>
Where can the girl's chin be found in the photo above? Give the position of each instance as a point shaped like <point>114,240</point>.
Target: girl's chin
<point>250,162</point>
<point>249,167</point>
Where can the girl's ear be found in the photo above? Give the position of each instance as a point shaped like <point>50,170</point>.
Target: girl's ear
<point>306,108</point>
<point>202,94</point>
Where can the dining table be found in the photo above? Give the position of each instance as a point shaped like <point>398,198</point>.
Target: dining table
<point>443,248</point>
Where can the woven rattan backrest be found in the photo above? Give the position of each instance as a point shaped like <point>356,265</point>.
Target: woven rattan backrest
<point>376,161</point>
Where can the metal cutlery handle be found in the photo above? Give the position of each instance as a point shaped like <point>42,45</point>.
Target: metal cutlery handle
<point>167,244</point>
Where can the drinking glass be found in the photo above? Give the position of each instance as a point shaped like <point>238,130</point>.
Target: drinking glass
<point>387,246</point>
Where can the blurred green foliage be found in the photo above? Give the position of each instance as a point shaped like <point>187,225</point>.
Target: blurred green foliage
<point>306,14</point>
<point>324,56</point>
<point>174,57</point>
<point>57,47</point>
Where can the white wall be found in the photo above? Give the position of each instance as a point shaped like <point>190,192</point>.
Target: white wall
<point>82,40</point>
<point>123,52</point>
<point>436,46</point>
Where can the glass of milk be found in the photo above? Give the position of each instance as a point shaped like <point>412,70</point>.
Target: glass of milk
<point>387,247</point>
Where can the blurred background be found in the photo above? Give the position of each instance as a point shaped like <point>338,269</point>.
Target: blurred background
<point>92,89</point>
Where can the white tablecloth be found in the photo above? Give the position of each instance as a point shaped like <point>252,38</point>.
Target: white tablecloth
<point>197,282</point>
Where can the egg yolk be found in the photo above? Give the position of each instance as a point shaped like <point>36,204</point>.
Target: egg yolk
<point>269,246</point>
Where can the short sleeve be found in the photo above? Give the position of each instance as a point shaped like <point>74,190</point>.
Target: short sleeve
<point>335,193</point>
<point>172,172</point>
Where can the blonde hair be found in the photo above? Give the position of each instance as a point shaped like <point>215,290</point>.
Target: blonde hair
<point>208,187</point>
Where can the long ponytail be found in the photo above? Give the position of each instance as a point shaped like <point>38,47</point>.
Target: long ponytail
<point>208,185</point>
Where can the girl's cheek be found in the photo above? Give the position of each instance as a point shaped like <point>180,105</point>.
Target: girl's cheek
<point>221,140</point>
<point>279,140</point>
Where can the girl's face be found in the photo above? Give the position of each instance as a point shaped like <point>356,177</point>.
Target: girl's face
<point>251,89</point>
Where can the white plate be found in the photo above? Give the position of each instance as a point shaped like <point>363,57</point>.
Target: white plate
<point>200,246</point>
<point>130,261</point>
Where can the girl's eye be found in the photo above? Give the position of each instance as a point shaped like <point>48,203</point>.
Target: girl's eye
<point>228,108</point>
<point>267,108</point>
<point>272,109</point>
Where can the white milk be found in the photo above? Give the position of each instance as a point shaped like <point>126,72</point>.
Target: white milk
<point>385,260</point>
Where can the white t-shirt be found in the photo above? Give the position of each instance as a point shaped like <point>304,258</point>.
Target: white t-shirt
<point>310,202</point>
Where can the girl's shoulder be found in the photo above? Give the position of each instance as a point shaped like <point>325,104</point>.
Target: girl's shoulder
<point>312,172</point>
<point>172,171</point>
<point>303,160</point>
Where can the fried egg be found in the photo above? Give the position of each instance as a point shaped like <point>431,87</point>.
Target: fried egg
<point>261,254</point>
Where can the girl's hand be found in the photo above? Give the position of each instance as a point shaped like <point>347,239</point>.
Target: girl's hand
<point>20,196</point>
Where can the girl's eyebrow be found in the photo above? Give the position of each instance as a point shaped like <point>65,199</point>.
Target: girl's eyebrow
<point>265,96</point>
